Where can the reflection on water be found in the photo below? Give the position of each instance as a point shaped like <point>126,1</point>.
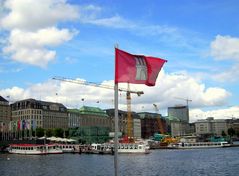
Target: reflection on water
<point>211,162</point>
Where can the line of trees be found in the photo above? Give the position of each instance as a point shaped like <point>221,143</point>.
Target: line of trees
<point>57,132</point>
<point>231,132</point>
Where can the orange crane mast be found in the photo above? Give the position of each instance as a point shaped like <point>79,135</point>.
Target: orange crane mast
<point>161,128</point>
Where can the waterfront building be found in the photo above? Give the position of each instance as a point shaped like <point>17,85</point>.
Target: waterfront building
<point>189,139</point>
<point>233,123</point>
<point>211,126</point>
<point>137,128</point>
<point>122,120</point>
<point>151,123</point>
<point>88,117</point>
<point>181,112</point>
<point>89,124</point>
<point>5,117</point>
<point>179,127</point>
<point>5,111</point>
<point>93,116</point>
<point>47,115</point>
<point>74,118</point>
<point>90,134</point>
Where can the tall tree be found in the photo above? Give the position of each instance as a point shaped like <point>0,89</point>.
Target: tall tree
<point>231,132</point>
<point>223,133</point>
<point>58,132</point>
<point>40,132</point>
<point>49,132</point>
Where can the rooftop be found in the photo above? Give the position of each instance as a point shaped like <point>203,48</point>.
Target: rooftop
<point>172,118</point>
<point>3,99</point>
<point>92,111</point>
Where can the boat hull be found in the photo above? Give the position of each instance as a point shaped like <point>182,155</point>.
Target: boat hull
<point>199,145</point>
<point>34,149</point>
<point>123,148</point>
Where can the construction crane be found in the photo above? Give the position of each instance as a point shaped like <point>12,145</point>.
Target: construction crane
<point>185,99</point>
<point>128,98</point>
<point>160,124</point>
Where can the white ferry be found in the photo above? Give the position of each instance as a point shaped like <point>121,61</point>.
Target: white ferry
<point>68,148</point>
<point>123,148</point>
<point>34,149</point>
<point>198,145</point>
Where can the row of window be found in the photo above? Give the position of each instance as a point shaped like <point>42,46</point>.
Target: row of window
<point>37,117</point>
<point>201,144</point>
<point>31,148</point>
<point>27,112</point>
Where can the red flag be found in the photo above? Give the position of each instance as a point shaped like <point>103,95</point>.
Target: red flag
<point>137,69</point>
<point>18,124</point>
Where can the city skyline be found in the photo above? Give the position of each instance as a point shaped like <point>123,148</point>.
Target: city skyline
<point>76,39</point>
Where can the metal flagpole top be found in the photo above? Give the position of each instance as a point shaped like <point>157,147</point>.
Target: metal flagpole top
<point>116,126</point>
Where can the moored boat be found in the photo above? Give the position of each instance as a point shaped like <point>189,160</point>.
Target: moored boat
<point>198,145</point>
<point>68,148</point>
<point>123,148</point>
<point>34,149</point>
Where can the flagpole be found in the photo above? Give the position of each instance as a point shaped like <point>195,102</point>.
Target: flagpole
<point>116,131</point>
<point>116,127</point>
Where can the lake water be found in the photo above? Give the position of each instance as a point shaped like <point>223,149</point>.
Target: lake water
<point>194,162</point>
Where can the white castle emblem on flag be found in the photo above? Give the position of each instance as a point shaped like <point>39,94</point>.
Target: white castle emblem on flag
<point>141,68</point>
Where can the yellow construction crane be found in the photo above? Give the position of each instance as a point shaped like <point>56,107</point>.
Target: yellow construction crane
<point>128,98</point>
<point>185,99</point>
<point>160,125</point>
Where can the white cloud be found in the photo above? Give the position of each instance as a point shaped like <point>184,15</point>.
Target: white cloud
<point>91,14</point>
<point>163,94</point>
<point>225,47</point>
<point>29,47</point>
<point>230,75</point>
<point>226,113</point>
<point>38,38</point>
<point>70,60</point>
<point>32,29</point>
<point>46,14</point>
<point>15,93</point>
<point>94,15</point>
<point>114,22</point>
<point>71,95</point>
<point>170,86</point>
<point>33,15</point>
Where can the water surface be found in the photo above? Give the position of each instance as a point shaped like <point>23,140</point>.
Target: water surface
<point>193,162</point>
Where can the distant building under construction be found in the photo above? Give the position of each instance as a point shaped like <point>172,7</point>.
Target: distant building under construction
<point>181,112</point>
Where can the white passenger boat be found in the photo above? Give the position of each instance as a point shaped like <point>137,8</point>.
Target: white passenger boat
<point>198,145</point>
<point>34,149</point>
<point>123,148</point>
<point>68,148</point>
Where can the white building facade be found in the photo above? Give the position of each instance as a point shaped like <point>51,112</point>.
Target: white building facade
<point>137,128</point>
<point>211,126</point>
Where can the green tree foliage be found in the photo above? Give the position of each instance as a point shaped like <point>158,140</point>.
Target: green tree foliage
<point>223,133</point>
<point>231,132</point>
<point>40,132</point>
<point>49,132</point>
<point>58,132</point>
<point>237,133</point>
<point>67,133</point>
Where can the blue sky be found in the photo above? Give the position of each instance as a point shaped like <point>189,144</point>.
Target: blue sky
<point>76,39</point>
